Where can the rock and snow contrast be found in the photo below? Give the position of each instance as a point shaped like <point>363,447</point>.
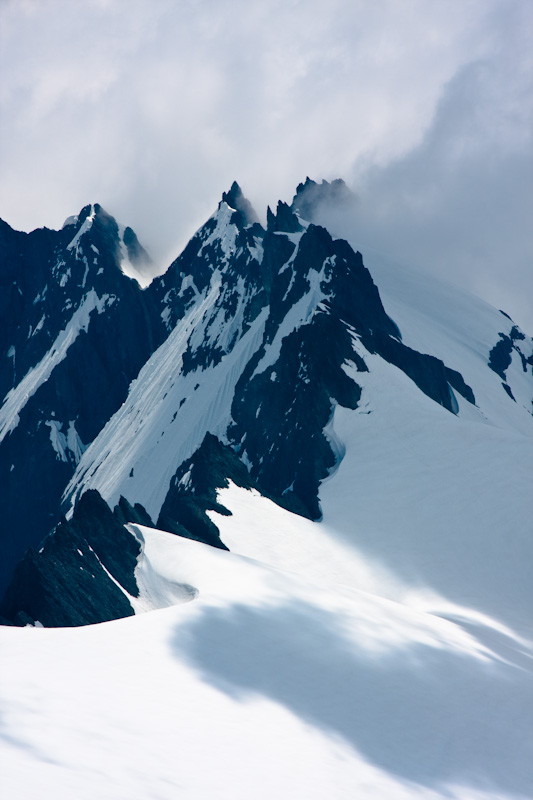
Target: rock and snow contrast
<point>289,496</point>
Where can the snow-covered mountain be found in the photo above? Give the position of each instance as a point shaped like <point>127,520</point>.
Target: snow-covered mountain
<point>358,436</point>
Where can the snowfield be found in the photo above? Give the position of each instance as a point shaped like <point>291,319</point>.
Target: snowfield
<point>383,653</point>
<point>249,681</point>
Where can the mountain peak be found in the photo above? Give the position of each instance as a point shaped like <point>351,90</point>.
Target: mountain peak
<point>106,234</point>
<point>90,211</point>
<point>236,199</point>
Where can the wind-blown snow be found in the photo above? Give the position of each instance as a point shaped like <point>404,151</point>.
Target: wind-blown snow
<point>17,397</point>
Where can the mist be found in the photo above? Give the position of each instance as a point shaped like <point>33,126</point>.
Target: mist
<point>153,108</point>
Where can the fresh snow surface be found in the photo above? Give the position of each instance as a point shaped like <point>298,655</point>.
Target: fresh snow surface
<point>17,397</point>
<point>251,682</point>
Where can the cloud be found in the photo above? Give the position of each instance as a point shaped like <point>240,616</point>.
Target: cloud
<point>154,108</point>
<point>461,203</point>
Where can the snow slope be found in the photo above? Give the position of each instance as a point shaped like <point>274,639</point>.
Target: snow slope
<point>445,321</point>
<point>262,685</point>
<point>17,397</point>
<point>141,436</point>
<point>425,508</point>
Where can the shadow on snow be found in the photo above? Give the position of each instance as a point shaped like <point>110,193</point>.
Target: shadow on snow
<point>424,713</point>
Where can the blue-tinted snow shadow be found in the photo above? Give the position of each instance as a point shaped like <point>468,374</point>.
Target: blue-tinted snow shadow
<point>426,714</point>
<point>11,740</point>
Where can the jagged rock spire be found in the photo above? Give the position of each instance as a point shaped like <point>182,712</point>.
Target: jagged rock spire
<point>310,195</point>
<point>235,199</point>
<point>284,220</point>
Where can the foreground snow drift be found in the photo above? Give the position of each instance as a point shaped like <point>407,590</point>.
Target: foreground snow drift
<point>259,684</point>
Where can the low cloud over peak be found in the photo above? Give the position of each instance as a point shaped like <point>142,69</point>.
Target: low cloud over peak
<point>424,109</point>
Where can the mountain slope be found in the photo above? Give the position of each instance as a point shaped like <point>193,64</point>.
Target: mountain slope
<point>269,313</point>
<point>74,332</point>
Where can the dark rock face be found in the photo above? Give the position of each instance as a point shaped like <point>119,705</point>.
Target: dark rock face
<point>284,221</point>
<point>194,491</point>
<point>501,355</point>
<point>136,252</point>
<point>61,292</point>
<point>124,512</point>
<point>235,199</point>
<point>67,582</point>
<point>280,410</point>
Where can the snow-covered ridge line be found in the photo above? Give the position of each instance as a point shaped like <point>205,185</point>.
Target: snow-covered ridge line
<point>17,397</point>
<point>87,223</point>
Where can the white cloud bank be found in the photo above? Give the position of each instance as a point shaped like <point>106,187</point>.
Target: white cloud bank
<point>153,107</point>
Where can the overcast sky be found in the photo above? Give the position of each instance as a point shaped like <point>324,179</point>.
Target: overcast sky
<point>153,108</point>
